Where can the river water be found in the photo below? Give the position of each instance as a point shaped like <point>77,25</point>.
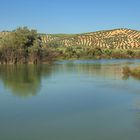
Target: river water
<point>69,100</point>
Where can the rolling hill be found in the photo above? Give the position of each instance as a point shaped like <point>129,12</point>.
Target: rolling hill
<point>111,39</point>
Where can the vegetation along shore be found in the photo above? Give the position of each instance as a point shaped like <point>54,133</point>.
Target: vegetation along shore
<point>28,46</point>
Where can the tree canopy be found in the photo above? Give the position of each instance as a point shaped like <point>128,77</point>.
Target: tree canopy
<point>22,46</point>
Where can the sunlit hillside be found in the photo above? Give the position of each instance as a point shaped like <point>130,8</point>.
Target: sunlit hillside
<point>114,39</point>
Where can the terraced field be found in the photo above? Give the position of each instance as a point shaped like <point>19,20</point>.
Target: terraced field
<point>110,39</point>
<point>114,39</point>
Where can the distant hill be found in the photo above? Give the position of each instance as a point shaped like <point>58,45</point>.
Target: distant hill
<point>111,39</point>
<point>115,39</point>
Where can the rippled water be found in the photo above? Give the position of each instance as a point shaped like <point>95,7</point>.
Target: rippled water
<point>69,100</point>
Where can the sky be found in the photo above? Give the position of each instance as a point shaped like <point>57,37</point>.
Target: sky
<point>69,16</point>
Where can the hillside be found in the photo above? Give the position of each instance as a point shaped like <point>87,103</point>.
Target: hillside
<point>114,39</point>
<point>27,46</point>
<point>111,39</point>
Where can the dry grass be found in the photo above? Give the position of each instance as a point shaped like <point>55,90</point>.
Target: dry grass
<point>134,72</point>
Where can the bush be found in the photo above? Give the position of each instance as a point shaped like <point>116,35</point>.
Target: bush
<point>22,46</point>
<point>126,70</point>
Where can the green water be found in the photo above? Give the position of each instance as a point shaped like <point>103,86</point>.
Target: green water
<point>69,100</point>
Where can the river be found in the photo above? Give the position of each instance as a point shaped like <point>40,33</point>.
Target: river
<point>69,100</point>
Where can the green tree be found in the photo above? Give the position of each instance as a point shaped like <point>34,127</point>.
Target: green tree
<point>22,46</point>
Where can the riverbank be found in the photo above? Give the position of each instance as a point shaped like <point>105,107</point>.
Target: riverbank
<point>134,72</point>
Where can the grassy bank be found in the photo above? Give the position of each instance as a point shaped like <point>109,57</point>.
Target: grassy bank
<point>69,53</point>
<point>134,72</point>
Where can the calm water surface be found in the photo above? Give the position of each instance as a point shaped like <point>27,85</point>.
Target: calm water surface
<point>69,100</point>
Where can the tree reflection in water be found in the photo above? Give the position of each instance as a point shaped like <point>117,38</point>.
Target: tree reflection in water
<point>23,80</point>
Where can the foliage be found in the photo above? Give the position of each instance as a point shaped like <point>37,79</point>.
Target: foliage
<point>75,52</point>
<point>21,46</point>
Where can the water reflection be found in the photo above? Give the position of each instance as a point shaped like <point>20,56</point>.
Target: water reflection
<point>23,80</point>
<point>136,110</point>
<point>113,71</point>
<point>83,101</point>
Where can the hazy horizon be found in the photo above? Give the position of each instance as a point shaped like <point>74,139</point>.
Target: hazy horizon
<point>66,17</point>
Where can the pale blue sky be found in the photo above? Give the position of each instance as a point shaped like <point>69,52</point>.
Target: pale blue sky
<point>69,16</point>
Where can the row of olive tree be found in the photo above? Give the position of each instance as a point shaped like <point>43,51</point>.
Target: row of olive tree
<point>23,46</point>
